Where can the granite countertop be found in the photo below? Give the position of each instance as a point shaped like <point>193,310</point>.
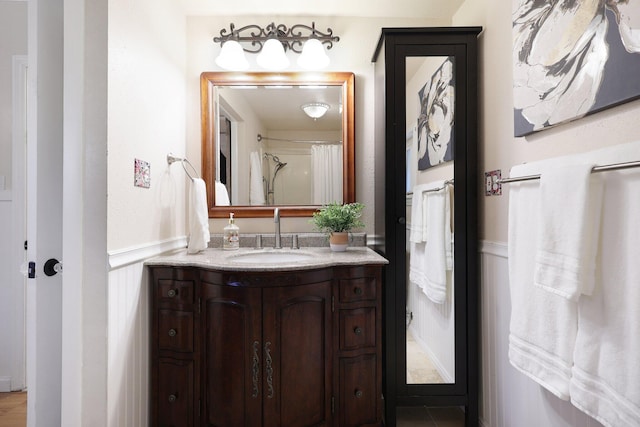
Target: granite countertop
<point>268,259</point>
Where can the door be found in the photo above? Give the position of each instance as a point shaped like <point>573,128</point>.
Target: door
<point>297,352</point>
<point>231,345</point>
<point>44,212</point>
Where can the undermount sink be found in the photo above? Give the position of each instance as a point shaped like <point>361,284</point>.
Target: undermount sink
<point>271,257</point>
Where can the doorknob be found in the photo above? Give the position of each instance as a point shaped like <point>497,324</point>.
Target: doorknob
<point>52,266</point>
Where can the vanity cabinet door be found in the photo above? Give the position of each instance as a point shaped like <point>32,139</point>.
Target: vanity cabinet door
<point>232,355</point>
<point>297,362</point>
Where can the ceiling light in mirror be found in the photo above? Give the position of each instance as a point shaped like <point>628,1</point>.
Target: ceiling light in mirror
<point>232,57</point>
<point>315,110</point>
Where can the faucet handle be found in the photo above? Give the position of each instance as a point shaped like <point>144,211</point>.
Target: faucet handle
<point>294,242</point>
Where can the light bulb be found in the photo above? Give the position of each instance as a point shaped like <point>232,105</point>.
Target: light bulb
<point>313,56</point>
<point>273,56</point>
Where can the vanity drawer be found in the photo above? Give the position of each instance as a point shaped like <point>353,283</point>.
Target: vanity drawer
<point>173,403</point>
<point>169,291</point>
<point>357,328</point>
<point>357,289</point>
<point>359,400</point>
<point>175,330</point>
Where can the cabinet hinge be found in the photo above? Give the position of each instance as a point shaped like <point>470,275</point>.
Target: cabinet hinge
<point>199,304</point>
<point>333,405</point>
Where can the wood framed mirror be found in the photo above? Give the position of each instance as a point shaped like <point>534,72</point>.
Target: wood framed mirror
<point>253,125</point>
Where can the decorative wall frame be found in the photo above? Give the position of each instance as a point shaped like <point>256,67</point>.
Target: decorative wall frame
<point>571,59</point>
<point>435,123</point>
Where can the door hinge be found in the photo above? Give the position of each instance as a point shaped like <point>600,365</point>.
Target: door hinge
<point>26,245</point>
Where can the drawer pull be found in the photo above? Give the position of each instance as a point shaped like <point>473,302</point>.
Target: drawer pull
<point>357,290</point>
<point>173,332</point>
<point>357,330</point>
<point>172,293</point>
<point>358,393</point>
<point>172,398</point>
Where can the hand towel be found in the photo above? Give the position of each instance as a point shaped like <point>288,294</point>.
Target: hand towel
<point>543,325</point>
<point>199,236</point>
<point>418,224</point>
<point>430,258</point>
<point>222,195</point>
<point>570,204</point>
<point>606,370</point>
<point>256,191</point>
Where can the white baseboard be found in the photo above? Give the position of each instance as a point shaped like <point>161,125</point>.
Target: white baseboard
<point>5,384</point>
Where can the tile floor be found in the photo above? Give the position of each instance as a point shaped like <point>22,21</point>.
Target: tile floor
<point>13,413</point>
<point>421,416</point>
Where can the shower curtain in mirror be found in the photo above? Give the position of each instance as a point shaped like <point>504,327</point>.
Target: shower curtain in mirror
<point>326,162</point>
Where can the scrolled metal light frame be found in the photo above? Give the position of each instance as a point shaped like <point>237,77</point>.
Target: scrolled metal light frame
<point>292,38</point>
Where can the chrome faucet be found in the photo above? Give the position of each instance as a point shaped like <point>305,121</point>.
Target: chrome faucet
<point>276,219</point>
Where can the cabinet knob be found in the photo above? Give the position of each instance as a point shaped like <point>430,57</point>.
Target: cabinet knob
<point>357,330</point>
<point>172,398</point>
<point>358,393</point>
<point>172,293</point>
<point>173,332</point>
<point>357,291</point>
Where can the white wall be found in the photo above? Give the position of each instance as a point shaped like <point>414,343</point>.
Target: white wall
<point>147,57</point>
<point>146,120</point>
<point>13,41</point>
<point>508,397</point>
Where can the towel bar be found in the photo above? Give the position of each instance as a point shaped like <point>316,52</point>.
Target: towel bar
<point>603,168</point>
<point>171,159</point>
<point>447,182</point>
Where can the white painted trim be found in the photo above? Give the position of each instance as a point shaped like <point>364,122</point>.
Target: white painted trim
<point>121,257</point>
<point>5,384</point>
<point>494,248</point>
<point>5,195</point>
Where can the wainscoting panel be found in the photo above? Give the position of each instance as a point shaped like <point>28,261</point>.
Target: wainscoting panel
<point>128,360</point>
<point>508,398</point>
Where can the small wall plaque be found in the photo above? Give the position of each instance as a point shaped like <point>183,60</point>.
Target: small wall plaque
<point>142,173</point>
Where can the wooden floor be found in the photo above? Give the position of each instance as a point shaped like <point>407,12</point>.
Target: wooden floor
<point>13,409</point>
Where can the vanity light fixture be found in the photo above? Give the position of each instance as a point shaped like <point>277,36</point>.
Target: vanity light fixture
<point>315,110</point>
<point>300,38</point>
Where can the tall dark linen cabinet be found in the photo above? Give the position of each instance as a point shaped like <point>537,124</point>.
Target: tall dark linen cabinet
<point>396,46</point>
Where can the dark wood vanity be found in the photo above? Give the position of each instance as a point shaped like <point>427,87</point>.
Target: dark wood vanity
<point>266,348</point>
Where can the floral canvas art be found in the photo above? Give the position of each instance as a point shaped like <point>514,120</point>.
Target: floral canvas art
<point>435,122</point>
<point>572,58</point>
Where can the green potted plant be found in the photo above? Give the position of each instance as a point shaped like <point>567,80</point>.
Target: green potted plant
<point>337,220</point>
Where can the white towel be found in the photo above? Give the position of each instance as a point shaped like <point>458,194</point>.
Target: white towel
<point>199,236</point>
<point>222,195</point>
<point>256,190</point>
<point>606,372</point>
<point>418,225</point>
<point>602,329</point>
<point>431,258</point>
<point>543,325</point>
<point>570,204</point>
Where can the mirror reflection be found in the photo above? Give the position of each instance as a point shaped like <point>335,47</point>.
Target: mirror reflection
<point>288,138</point>
<point>430,326</point>
<point>277,139</point>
